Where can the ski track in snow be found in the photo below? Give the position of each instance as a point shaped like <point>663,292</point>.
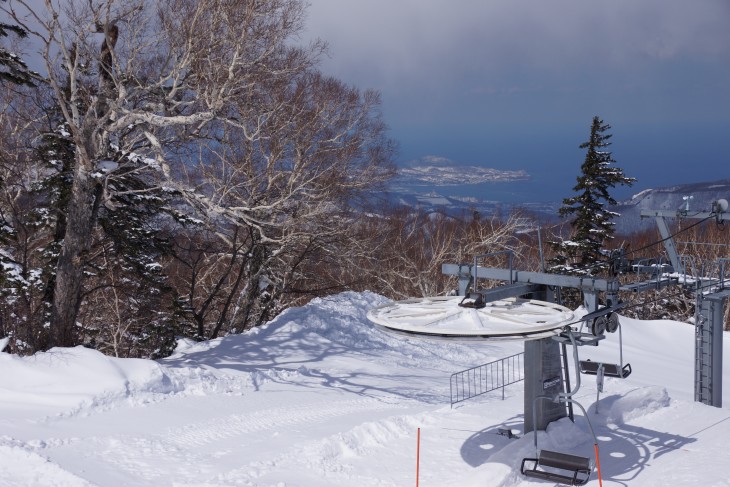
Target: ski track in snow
<point>196,449</point>
<point>329,458</point>
<point>204,433</point>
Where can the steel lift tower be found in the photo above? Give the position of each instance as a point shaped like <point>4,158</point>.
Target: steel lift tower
<point>712,292</point>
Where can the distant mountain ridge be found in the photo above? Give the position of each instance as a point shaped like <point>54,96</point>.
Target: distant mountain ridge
<point>433,201</point>
<point>440,171</point>
<point>450,176</point>
<point>696,197</point>
<point>439,184</point>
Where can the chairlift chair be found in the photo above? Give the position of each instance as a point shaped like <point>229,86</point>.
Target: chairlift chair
<point>578,468</point>
<point>609,323</point>
<point>563,468</point>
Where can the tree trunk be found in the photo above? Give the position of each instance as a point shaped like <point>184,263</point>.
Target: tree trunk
<point>71,261</point>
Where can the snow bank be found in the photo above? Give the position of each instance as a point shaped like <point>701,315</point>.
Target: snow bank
<point>637,403</point>
<point>327,328</point>
<point>69,379</point>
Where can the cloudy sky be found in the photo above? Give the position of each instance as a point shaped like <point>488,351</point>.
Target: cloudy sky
<point>514,84</point>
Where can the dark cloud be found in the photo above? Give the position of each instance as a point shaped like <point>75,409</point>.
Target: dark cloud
<point>392,41</point>
<point>472,79</point>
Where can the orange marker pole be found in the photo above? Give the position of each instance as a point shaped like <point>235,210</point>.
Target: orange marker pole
<point>418,455</point>
<point>598,466</point>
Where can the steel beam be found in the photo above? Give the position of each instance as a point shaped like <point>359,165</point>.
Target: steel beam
<point>509,291</point>
<point>668,241</point>
<point>660,217</point>
<point>583,283</point>
<point>639,287</point>
<point>720,217</point>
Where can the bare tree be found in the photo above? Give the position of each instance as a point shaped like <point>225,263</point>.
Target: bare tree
<point>410,246</point>
<point>209,99</point>
<point>285,184</point>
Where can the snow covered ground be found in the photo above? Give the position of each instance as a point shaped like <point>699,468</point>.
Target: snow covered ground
<point>321,398</point>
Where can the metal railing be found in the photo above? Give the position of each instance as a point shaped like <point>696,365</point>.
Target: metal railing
<point>486,378</point>
<point>714,275</point>
<point>723,269</point>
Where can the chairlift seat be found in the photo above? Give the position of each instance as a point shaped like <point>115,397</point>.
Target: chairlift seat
<point>609,370</point>
<point>579,467</point>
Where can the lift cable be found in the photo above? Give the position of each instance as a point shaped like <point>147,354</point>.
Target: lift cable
<point>614,259</point>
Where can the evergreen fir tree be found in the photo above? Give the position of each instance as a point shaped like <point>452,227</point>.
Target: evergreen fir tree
<point>12,68</point>
<point>130,241</point>
<point>591,223</point>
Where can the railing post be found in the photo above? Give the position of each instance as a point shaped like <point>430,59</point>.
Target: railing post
<point>503,381</point>
<point>451,390</point>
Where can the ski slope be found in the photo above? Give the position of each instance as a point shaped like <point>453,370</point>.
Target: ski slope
<point>319,397</point>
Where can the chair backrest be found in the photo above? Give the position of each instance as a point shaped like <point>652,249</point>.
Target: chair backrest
<point>609,370</point>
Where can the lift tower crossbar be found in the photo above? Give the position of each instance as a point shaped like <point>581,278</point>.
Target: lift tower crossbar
<point>720,215</point>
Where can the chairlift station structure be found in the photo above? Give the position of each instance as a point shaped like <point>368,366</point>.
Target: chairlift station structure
<point>510,312</point>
